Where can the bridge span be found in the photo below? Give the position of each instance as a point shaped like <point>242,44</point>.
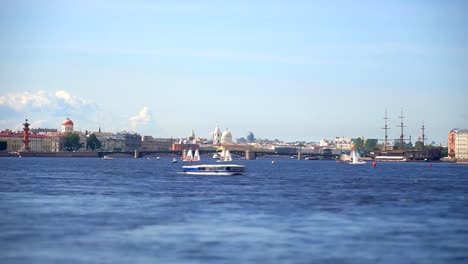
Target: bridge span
<point>249,154</point>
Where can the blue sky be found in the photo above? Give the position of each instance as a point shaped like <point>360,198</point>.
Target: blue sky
<point>292,70</point>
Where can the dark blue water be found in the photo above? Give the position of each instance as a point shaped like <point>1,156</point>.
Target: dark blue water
<point>78,210</point>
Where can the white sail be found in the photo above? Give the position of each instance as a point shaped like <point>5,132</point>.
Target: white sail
<point>227,155</point>
<point>189,156</point>
<point>355,158</point>
<point>196,156</point>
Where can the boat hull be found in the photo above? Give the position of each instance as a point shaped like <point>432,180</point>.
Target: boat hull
<point>211,173</point>
<point>214,170</point>
<point>357,163</point>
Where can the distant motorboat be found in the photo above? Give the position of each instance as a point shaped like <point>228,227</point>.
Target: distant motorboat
<point>174,160</point>
<point>214,170</point>
<point>106,158</point>
<point>158,158</point>
<point>215,156</point>
<point>355,158</point>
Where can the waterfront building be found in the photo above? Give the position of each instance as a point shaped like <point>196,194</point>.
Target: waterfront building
<point>148,143</point>
<point>338,143</point>
<point>132,141</point>
<point>343,143</point>
<point>458,144</point>
<point>112,143</point>
<point>182,146</point>
<point>15,141</point>
<point>43,130</point>
<point>324,142</point>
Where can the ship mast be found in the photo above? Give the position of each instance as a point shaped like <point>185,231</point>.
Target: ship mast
<point>423,136</point>
<point>402,138</point>
<point>386,128</point>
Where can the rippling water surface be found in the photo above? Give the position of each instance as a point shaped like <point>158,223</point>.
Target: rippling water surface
<point>79,210</point>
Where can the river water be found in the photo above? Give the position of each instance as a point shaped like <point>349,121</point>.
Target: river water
<point>85,210</point>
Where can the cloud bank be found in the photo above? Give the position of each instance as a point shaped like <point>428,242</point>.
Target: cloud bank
<point>38,105</point>
<point>60,101</point>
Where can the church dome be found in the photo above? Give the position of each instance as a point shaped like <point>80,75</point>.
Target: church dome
<point>67,122</point>
<point>250,137</point>
<point>226,137</point>
<point>67,125</point>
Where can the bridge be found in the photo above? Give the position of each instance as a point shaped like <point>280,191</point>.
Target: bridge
<point>248,154</point>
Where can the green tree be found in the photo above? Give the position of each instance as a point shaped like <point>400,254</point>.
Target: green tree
<point>444,151</point>
<point>92,142</point>
<point>358,144</point>
<point>71,142</point>
<point>370,145</point>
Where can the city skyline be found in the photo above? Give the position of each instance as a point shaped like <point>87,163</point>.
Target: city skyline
<point>295,70</point>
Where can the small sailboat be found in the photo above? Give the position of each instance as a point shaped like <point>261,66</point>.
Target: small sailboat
<point>225,156</point>
<point>355,158</point>
<point>189,156</point>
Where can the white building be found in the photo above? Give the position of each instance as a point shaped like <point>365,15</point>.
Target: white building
<point>343,143</point>
<point>461,144</point>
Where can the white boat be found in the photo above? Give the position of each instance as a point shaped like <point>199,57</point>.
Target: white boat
<point>174,160</point>
<point>355,158</point>
<point>391,158</point>
<point>106,158</point>
<point>196,156</point>
<point>225,156</point>
<point>215,156</point>
<point>214,170</point>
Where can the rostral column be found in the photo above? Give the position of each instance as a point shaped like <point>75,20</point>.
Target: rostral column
<point>26,135</point>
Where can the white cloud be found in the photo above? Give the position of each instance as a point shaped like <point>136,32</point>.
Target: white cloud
<point>142,118</point>
<point>70,99</point>
<point>19,101</point>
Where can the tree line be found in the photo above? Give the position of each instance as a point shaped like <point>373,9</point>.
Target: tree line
<point>71,142</point>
